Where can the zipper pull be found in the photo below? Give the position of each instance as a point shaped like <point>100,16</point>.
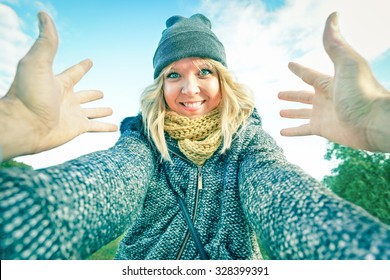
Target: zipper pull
<point>200,183</point>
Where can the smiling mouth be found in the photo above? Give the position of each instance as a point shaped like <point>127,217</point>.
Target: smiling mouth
<point>192,104</point>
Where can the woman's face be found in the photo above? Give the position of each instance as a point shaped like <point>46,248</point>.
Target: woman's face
<point>191,88</point>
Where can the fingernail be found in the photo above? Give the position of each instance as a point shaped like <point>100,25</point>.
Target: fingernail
<point>42,21</point>
<point>335,21</point>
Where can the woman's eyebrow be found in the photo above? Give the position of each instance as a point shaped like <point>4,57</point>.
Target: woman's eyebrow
<point>171,69</point>
<point>203,66</point>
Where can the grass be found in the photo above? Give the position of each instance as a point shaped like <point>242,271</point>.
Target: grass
<point>107,252</point>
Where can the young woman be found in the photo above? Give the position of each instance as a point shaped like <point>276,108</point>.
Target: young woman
<point>193,176</point>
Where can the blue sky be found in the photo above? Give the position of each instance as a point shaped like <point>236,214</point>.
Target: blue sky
<point>260,38</point>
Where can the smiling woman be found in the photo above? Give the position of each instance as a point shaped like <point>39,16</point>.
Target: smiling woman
<point>191,88</point>
<point>193,175</point>
<point>205,81</point>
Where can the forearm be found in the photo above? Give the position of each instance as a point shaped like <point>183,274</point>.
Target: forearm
<point>378,128</point>
<point>297,218</point>
<point>71,210</point>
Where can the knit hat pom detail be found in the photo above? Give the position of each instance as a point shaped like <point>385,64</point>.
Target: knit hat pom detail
<point>199,17</point>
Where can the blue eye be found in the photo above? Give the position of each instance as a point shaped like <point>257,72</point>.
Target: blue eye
<point>173,75</point>
<point>205,72</point>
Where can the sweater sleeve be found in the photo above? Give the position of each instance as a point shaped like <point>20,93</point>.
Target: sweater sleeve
<point>70,210</point>
<point>295,217</point>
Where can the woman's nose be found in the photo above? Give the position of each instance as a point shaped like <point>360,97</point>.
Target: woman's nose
<point>190,86</point>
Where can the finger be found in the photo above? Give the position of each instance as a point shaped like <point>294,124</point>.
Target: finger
<point>308,75</point>
<point>95,126</point>
<point>45,47</point>
<point>332,39</point>
<point>86,96</point>
<point>74,74</point>
<point>303,130</point>
<point>335,45</point>
<point>94,113</point>
<point>305,97</point>
<point>296,113</point>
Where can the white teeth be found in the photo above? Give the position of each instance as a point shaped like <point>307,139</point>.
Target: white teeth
<point>193,104</point>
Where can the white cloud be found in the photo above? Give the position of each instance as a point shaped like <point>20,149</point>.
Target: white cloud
<point>14,44</point>
<point>259,44</point>
<point>48,8</point>
<point>14,40</point>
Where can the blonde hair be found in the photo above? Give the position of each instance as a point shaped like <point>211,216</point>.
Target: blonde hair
<point>236,106</point>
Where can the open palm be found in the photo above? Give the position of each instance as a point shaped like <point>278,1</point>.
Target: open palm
<point>342,105</point>
<point>48,103</point>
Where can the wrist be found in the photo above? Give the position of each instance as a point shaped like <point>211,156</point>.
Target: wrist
<point>378,128</point>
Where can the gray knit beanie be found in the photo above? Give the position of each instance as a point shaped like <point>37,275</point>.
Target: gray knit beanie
<point>187,37</point>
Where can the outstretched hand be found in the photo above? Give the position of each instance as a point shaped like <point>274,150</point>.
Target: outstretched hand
<point>344,107</point>
<point>45,106</point>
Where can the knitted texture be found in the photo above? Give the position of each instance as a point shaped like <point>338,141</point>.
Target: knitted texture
<point>187,37</point>
<point>70,210</point>
<point>198,138</point>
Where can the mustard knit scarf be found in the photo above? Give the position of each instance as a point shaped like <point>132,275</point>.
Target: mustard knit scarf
<point>198,138</point>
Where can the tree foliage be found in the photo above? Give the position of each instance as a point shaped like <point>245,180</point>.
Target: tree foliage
<point>13,163</point>
<point>362,178</point>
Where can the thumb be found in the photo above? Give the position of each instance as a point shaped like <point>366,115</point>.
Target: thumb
<point>45,47</point>
<point>332,39</point>
<point>335,45</point>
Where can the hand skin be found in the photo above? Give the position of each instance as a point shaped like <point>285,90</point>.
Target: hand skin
<point>352,108</point>
<point>41,111</point>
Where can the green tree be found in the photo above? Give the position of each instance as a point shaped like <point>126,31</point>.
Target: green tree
<point>14,163</point>
<point>362,178</point>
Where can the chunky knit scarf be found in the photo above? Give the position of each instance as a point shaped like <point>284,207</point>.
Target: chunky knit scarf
<point>198,138</point>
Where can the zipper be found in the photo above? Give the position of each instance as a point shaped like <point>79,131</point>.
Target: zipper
<point>200,183</point>
<point>178,153</point>
<point>198,189</point>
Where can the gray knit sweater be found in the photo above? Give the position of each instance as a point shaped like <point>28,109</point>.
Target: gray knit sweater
<point>249,193</point>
